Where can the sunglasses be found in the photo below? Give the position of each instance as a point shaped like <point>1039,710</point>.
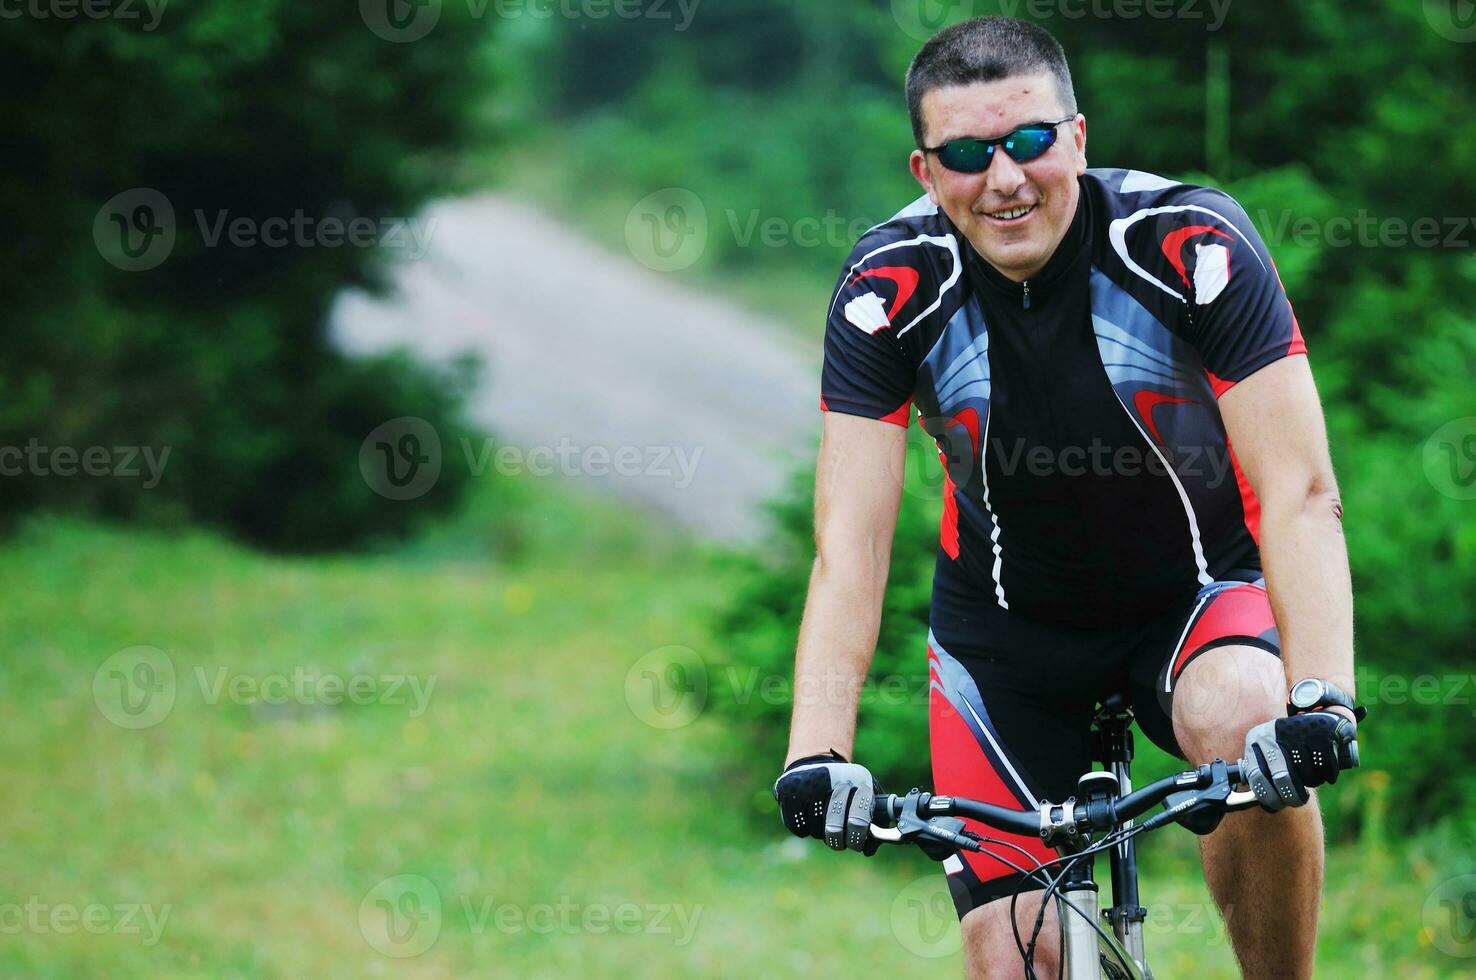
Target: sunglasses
<point>972,155</point>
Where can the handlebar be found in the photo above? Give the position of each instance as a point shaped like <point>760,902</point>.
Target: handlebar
<point>1207,788</point>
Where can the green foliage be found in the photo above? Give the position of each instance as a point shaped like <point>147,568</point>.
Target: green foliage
<point>232,111</point>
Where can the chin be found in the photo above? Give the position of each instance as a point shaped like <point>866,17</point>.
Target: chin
<point>1009,259</point>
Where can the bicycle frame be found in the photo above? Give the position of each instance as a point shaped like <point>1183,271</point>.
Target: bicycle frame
<point>1114,743</point>
<point>1121,954</point>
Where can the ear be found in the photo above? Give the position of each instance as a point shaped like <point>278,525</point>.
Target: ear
<point>1079,133</point>
<point>918,164</point>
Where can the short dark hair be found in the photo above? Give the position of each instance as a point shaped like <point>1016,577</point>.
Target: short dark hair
<point>985,49</point>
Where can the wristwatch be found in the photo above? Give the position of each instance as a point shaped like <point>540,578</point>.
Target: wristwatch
<point>1313,692</point>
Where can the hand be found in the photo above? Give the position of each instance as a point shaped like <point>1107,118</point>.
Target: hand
<point>1288,756</point>
<point>825,796</point>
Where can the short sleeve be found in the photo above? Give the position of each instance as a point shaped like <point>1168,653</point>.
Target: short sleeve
<point>1240,317</point>
<point>866,371</point>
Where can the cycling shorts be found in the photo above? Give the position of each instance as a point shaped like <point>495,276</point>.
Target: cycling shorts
<point>1011,703</point>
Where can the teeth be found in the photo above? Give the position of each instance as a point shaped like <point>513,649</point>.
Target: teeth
<point>1012,213</point>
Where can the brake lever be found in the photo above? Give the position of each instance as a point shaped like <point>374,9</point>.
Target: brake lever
<point>950,830</point>
<point>910,825</point>
<point>1199,810</point>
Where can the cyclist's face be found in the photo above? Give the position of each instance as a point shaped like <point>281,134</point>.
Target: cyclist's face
<point>1018,247</point>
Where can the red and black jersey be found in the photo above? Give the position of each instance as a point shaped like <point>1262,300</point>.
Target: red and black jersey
<point>1089,477</point>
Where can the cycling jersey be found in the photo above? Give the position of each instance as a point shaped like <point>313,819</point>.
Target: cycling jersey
<point>1089,480</point>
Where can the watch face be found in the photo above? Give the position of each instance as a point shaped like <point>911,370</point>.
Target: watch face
<point>1304,694</point>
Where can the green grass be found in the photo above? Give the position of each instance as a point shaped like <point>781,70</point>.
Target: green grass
<point>529,781</point>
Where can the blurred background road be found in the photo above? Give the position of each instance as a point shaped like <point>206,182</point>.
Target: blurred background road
<point>589,348</point>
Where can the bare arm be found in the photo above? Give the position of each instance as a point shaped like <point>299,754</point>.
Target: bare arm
<point>858,486</point>
<point>1274,420</point>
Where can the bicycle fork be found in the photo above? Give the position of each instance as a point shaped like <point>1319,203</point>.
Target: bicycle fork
<point>1089,952</point>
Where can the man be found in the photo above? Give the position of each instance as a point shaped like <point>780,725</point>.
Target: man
<point>1085,347</point>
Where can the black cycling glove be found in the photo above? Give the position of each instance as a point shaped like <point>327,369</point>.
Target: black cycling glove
<point>825,796</point>
<point>1289,756</point>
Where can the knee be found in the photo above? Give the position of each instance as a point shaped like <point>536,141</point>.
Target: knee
<point>1221,695</point>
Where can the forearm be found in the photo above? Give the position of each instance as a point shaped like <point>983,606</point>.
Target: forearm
<point>1305,558</point>
<point>836,642</point>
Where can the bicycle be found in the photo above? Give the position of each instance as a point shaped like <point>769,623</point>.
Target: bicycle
<point>1105,805</point>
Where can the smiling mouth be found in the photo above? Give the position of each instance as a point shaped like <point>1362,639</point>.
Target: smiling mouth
<point>1011,215</point>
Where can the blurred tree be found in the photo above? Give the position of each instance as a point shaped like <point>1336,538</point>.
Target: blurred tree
<point>139,317</point>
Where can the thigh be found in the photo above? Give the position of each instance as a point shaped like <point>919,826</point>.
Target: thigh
<point>1010,724</point>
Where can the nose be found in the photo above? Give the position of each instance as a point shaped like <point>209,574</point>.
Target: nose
<point>1004,176</point>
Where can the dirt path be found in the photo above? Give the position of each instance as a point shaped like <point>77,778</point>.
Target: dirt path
<point>600,369</point>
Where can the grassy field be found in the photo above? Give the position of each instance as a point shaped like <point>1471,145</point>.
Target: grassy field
<point>458,759</point>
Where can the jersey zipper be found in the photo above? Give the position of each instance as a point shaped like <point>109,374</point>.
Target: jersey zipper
<point>1026,294</point>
